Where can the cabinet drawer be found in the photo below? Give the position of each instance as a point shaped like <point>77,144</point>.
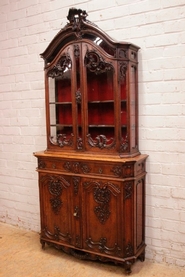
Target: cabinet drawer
<point>90,168</point>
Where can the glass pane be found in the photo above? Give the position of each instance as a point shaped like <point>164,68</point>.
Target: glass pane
<point>100,94</point>
<point>123,114</point>
<point>101,42</point>
<point>123,93</point>
<point>100,87</point>
<point>60,106</point>
<point>78,101</point>
<point>133,107</point>
<point>100,103</point>
<point>101,113</point>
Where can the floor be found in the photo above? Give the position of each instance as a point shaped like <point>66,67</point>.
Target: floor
<point>21,255</point>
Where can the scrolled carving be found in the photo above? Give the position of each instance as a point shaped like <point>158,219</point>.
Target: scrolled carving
<point>102,196</point>
<point>123,70</point>
<point>101,142</point>
<point>56,204</point>
<point>102,247</point>
<point>76,167</point>
<point>95,63</point>
<point>62,140</point>
<point>76,51</point>
<point>79,143</point>
<point>78,96</point>
<point>85,168</point>
<point>129,251</point>
<point>57,235</point>
<point>76,181</point>
<point>76,18</point>
<point>62,65</point>
<point>124,144</point>
<point>117,170</point>
<point>41,164</point>
<point>128,190</point>
<point>55,186</point>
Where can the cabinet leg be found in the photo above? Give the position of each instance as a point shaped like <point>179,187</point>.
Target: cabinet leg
<point>128,267</point>
<point>142,256</point>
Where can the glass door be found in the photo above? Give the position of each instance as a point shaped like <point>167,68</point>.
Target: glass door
<point>124,147</point>
<point>100,102</point>
<point>60,103</point>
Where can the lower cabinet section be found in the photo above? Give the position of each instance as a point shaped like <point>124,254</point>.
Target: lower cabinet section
<point>94,217</point>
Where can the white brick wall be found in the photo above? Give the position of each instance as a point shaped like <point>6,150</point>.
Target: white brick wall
<point>26,28</point>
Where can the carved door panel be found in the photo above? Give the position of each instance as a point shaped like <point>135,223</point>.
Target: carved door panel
<point>57,211</point>
<point>102,217</point>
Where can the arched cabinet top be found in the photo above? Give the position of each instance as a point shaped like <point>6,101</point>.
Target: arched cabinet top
<point>78,29</point>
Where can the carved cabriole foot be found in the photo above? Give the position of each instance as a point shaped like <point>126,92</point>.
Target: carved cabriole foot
<point>128,267</point>
<point>42,243</point>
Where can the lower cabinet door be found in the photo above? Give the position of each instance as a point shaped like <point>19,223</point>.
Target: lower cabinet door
<point>103,217</point>
<point>60,221</point>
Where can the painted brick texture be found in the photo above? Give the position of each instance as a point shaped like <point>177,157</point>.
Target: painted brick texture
<point>26,28</point>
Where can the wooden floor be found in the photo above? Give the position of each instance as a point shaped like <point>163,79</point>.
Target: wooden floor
<point>21,255</point>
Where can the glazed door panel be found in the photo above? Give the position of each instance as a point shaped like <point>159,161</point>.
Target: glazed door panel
<point>62,83</point>
<point>102,213</point>
<point>100,100</point>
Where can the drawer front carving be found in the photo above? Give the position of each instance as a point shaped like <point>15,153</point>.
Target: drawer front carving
<point>92,168</point>
<point>128,170</point>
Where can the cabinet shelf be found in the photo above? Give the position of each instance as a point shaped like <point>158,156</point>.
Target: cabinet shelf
<point>61,125</point>
<point>100,126</point>
<point>60,103</point>
<point>100,101</point>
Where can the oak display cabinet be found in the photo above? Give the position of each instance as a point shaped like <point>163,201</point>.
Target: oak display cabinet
<point>92,175</point>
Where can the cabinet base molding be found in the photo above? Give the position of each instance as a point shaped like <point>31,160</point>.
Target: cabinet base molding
<point>87,255</point>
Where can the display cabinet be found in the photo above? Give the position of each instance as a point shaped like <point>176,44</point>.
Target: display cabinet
<point>92,175</point>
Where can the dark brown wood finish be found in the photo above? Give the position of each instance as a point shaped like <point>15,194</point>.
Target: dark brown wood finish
<point>92,175</point>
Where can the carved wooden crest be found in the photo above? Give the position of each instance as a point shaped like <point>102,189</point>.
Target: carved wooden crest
<point>76,18</point>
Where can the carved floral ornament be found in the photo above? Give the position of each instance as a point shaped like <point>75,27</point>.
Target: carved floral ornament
<point>102,193</point>
<point>55,186</point>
